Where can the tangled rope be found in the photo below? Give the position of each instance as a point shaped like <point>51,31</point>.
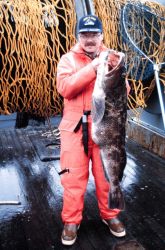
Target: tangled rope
<point>145,23</point>
<point>33,36</point>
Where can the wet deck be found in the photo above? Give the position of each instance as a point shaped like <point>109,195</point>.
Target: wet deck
<point>35,223</point>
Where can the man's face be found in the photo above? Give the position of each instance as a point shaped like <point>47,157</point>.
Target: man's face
<point>90,41</point>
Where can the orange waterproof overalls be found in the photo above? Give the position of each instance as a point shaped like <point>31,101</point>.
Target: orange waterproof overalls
<point>75,82</point>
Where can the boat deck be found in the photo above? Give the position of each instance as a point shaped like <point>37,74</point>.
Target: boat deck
<point>29,169</point>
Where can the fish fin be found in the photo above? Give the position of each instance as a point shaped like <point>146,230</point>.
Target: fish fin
<point>121,173</point>
<point>122,165</point>
<point>116,199</point>
<point>98,109</point>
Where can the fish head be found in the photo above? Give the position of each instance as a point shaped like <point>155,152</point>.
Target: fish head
<point>115,70</point>
<point>115,59</point>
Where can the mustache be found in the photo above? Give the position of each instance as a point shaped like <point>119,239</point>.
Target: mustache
<point>90,44</point>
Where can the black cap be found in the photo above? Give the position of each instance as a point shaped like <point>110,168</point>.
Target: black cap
<point>90,23</point>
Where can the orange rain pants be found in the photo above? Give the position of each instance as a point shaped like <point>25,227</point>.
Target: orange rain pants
<point>75,181</point>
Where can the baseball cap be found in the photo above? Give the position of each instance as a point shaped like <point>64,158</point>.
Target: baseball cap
<point>90,23</point>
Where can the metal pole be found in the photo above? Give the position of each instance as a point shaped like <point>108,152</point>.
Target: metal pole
<point>162,105</point>
<point>10,202</point>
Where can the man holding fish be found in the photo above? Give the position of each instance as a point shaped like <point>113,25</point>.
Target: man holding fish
<point>76,77</point>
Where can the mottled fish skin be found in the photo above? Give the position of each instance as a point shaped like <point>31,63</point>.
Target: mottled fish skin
<point>109,113</point>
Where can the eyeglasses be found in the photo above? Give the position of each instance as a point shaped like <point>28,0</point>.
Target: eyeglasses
<point>89,35</point>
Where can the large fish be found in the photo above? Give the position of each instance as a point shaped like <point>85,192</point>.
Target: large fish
<point>109,112</point>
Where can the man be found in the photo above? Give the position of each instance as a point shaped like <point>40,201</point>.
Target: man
<point>76,75</point>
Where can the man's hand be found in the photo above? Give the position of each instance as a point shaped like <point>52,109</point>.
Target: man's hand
<point>113,60</point>
<point>95,63</point>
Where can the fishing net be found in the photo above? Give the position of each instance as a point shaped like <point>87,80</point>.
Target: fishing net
<point>34,35</point>
<point>134,27</point>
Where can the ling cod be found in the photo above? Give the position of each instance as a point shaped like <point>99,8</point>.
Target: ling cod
<point>109,113</point>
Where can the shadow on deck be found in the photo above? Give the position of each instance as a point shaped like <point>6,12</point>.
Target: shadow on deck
<point>35,223</point>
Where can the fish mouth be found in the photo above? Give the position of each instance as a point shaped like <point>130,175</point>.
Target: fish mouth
<point>120,63</point>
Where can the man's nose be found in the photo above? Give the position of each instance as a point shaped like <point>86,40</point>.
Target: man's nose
<point>89,37</point>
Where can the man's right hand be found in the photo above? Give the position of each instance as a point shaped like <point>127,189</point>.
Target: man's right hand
<point>95,63</point>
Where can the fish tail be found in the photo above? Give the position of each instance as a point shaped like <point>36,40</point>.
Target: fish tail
<point>116,199</point>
